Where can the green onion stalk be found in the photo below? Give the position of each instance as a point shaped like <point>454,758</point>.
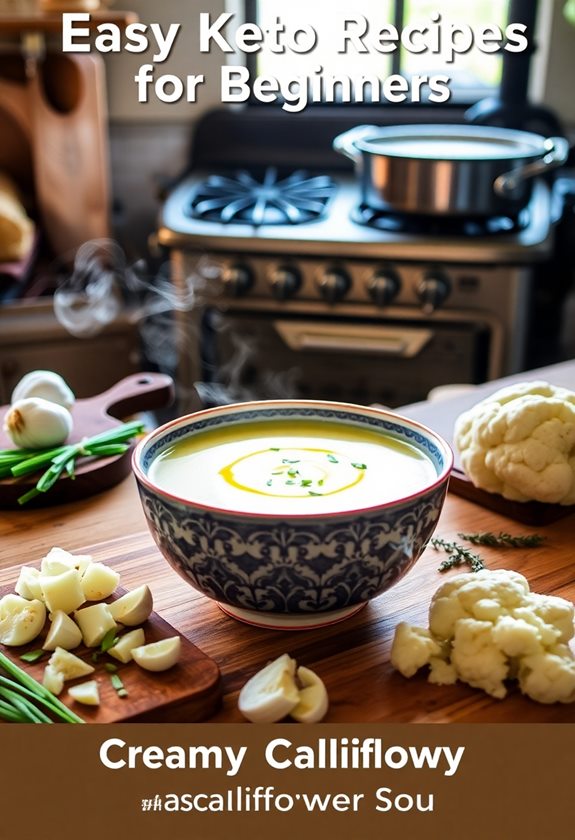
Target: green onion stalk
<point>17,463</point>
<point>24,700</point>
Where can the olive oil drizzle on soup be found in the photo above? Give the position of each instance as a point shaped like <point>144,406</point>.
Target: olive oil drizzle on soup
<point>291,467</point>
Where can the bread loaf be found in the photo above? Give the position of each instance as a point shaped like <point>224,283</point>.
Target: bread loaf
<point>16,229</point>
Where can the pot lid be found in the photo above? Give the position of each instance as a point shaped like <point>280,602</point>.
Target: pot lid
<point>451,142</point>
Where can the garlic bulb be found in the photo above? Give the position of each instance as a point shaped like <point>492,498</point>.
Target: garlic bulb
<point>35,423</point>
<point>44,384</point>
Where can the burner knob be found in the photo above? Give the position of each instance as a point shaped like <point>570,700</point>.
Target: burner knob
<point>433,290</point>
<point>384,287</point>
<point>237,279</point>
<point>285,281</point>
<point>334,284</point>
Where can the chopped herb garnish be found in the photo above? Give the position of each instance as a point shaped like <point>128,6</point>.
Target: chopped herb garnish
<point>359,466</point>
<point>274,449</point>
<point>306,482</point>
<point>292,472</point>
<point>32,655</point>
<point>109,640</point>
<point>290,461</point>
<point>320,482</point>
<point>290,481</point>
<point>118,685</point>
<point>332,459</point>
<point>311,493</point>
<point>110,667</point>
<point>278,472</point>
<point>269,483</point>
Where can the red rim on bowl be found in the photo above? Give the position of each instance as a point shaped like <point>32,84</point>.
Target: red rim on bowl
<point>441,444</point>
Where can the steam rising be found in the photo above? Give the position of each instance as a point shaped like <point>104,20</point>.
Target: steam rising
<point>103,287</point>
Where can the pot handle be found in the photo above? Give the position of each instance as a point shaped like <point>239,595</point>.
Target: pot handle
<point>556,153</point>
<point>345,143</point>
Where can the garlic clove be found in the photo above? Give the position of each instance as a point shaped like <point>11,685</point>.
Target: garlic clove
<point>313,700</point>
<point>34,423</point>
<point>86,693</point>
<point>44,384</point>
<point>272,693</point>
<point>69,665</point>
<point>158,656</point>
<point>20,620</point>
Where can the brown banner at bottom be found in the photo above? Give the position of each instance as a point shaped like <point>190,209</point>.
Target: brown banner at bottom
<point>205,782</point>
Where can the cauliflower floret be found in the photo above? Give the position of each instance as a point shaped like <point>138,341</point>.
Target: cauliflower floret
<point>556,611</point>
<point>548,635</point>
<point>441,672</point>
<point>412,648</point>
<point>516,637</point>
<point>548,677</point>
<point>477,659</point>
<point>487,627</point>
<point>459,598</point>
<point>520,442</point>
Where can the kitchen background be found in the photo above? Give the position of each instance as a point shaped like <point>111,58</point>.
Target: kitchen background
<point>329,308</point>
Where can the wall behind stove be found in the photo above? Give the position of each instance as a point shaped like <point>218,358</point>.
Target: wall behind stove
<point>150,142</point>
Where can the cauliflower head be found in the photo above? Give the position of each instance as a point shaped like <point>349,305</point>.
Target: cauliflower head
<point>485,629</point>
<point>520,443</point>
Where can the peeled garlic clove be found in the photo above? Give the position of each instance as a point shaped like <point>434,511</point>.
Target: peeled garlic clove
<point>86,693</point>
<point>20,620</point>
<point>134,607</point>
<point>44,384</point>
<point>94,622</point>
<point>68,665</point>
<point>313,701</point>
<point>35,423</point>
<point>64,633</point>
<point>158,656</point>
<point>53,680</point>
<point>272,693</point>
<point>98,582</point>
<point>122,650</point>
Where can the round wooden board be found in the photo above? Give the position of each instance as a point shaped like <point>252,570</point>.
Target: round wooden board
<point>139,392</point>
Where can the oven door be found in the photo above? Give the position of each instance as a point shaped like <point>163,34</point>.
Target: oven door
<point>251,355</point>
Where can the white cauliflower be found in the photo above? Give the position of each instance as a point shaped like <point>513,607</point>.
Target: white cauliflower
<point>486,628</point>
<point>413,647</point>
<point>520,443</point>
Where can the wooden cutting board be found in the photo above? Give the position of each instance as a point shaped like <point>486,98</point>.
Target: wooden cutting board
<point>188,692</point>
<point>530,513</point>
<point>139,392</point>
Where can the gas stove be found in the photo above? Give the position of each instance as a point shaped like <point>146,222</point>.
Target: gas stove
<point>188,220</point>
<point>306,286</point>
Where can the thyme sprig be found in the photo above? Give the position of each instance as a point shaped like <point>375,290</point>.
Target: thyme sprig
<point>458,555</point>
<point>503,540</point>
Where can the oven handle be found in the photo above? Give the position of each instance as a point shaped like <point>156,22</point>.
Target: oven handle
<point>402,343</point>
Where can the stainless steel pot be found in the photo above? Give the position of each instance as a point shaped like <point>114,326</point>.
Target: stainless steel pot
<point>450,170</point>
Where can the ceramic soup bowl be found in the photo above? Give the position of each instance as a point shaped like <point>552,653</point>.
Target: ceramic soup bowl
<point>292,514</point>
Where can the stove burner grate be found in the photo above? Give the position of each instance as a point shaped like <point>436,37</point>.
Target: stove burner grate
<point>242,198</point>
<point>395,222</point>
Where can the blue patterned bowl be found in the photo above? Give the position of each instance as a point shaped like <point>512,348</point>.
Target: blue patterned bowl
<point>292,571</point>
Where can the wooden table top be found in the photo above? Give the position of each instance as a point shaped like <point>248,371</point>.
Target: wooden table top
<point>352,658</point>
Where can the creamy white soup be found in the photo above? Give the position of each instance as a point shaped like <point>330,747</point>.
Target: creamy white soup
<point>292,467</point>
